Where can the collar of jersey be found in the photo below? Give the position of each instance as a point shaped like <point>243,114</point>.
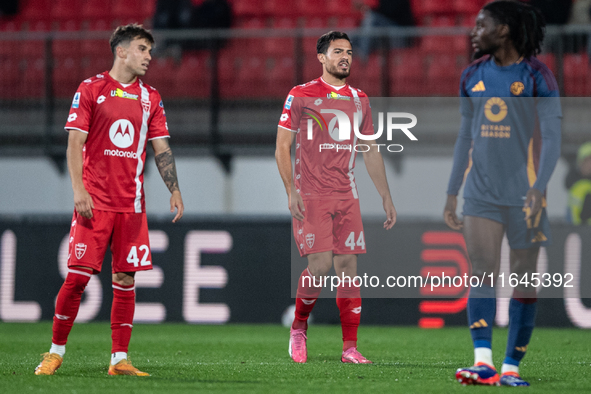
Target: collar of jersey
<point>113,80</point>
<point>337,88</point>
<point>505,68</point>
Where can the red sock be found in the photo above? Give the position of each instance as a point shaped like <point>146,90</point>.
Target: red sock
<point>306,297</point>
<point>122,316</point>
<point>349,303</point>
<point>68,303</point>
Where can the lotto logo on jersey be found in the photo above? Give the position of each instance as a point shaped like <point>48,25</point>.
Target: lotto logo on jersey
<point>76,101</point>
<point>122,133</point>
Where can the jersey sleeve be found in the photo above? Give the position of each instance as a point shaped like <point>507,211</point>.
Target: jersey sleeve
<point>549,114</point>
<point>289,109</point>
<point>158,127</point>
<point>466,107</point>
<point>548,101</point>
<point>80,114</point>
<point>461,159</point>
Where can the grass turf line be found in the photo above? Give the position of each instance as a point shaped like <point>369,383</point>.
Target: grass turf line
<point>253,358</point>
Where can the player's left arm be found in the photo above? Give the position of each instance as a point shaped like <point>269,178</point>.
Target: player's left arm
<point>377,172</point>
<point>167,168</point>
<point>550,116</point>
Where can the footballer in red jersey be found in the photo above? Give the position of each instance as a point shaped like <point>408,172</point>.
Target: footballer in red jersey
<point>113,116</point>
<point>321,189</point>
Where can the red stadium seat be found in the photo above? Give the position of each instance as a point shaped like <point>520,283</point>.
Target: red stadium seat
<point>347,22</point>
<point>310,8</point>
<point>193,78</point>
<point>443,76</point>
<point>249,8</point>
<point>309,43</point>
<point>424,9</point>
<point>467,7</point>
<point>9,49</point>
<point>462,44</point>
<point>32,84</point>
<point>161,76</point>
<point>416,7</point>
<point>281,8</point>
<point>66,76</point>
<point>92,66</point>
<point>340,7</point>
<point>549,60</point>
<point>94,10</point>
<point>575,69</point>
<point>367,76</point>
<point>312,67</point>
<point>67,48</point>
<point>97,47</point>
<point>437,7</point>
<point>9,79</point>
<point>438,43</point>
<point>274,46</point>
<point>35,10</point>
<point>250,78</point>
<point>66,10</point>
<point>227,70</point>
<point>148,8</point>
<point>127,9</point>
<point>248,44</point>
<point>280,79</point>
<point>34,47</point>
<point>407,73</point>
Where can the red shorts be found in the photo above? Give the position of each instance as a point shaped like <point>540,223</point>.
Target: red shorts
<point>127,233</point>
<point>330,225</point>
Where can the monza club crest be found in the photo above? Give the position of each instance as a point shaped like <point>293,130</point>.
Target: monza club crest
<point>310,240</point>
<point>80,249</point>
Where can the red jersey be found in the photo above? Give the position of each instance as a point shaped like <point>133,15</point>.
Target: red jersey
<point>324,158</point>
<point>119,121</point>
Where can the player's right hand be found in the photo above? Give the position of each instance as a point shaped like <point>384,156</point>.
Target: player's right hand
<point>83,203</point>
<point>296,205</point>
<point>449,213</point>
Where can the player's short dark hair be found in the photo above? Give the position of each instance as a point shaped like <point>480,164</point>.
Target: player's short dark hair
<point>324,41</point>
<point>126,34</point>
<point>526,24</point>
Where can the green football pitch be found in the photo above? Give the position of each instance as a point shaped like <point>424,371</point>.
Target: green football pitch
<point>253,358</point>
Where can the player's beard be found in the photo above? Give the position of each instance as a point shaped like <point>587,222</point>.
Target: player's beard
<point>478,54</point>
<point>335,72</point>
<point>482,52</point>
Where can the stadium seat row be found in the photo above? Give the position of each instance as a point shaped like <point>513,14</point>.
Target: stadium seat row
<point>409,73</point>
<point>79,10</point>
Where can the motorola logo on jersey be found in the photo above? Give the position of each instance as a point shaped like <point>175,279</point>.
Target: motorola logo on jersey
<point>122,133</point>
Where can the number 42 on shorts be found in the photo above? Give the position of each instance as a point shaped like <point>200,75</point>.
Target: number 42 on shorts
<point>350,242</point>
<point>132,257</point>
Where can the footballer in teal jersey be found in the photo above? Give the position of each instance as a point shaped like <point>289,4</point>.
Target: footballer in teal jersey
<point>507,148</point>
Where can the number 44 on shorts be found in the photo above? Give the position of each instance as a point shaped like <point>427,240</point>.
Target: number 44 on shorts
<point>350,242</point>
<point>132,257</point>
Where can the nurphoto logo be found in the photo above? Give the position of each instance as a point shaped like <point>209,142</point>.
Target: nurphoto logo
<point>339,129</point>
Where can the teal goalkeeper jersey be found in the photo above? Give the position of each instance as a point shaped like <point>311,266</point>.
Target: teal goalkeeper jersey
<point>514,115</point>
